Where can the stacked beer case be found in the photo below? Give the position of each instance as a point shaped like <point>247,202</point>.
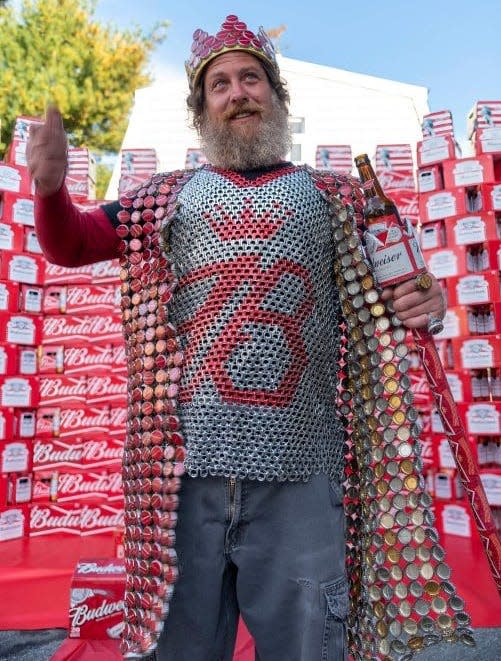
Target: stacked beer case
<point>460,215</point>
<point>62,371</point>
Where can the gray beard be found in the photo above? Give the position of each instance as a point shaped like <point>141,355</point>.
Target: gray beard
<point>232,151</point>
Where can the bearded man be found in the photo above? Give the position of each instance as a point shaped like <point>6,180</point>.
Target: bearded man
<point>234,334</point>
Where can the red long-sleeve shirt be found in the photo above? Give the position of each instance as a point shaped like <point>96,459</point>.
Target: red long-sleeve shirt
<point>70,237</point>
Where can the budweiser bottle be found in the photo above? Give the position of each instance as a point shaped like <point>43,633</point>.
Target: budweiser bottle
<point>390,241</point>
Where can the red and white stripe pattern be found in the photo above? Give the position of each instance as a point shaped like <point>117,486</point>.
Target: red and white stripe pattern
<point>334,157</point>
<point>139,161</point>
<point>394,157</point>
<point>437,123</point>
<point>486,114</point>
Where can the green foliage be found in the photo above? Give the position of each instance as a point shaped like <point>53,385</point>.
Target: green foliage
<point>54,51</point>
<point>103,176</point>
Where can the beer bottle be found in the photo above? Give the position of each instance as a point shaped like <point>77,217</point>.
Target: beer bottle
<point>391,244</point>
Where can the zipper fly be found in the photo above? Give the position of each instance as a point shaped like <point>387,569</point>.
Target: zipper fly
<point>232,486</point>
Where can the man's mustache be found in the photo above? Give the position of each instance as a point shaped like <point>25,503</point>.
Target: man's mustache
<point>242,107</point>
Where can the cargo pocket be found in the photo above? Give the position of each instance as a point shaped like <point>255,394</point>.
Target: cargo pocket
<point>334,647</point>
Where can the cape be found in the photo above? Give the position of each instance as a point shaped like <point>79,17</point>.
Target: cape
<point>401,596</point>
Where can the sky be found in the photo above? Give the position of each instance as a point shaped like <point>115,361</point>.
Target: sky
<point>452,47</point>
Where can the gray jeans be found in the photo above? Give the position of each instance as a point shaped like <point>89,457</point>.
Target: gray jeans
<point>272,552</point>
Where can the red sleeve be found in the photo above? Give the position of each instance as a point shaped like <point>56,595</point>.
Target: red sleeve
<point>70,237</point>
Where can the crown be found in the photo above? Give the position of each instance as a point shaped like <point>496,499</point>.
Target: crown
<point>232,36</point>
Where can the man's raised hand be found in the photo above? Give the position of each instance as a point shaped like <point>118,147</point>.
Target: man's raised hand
<point>47,153</point>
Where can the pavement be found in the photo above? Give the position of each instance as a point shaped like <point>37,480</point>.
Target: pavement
<point>41,645</point>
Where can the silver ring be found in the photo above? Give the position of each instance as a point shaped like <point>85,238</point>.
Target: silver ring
<point>435,325</point>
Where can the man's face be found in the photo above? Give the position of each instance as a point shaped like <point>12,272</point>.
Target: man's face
<point>243,124</point>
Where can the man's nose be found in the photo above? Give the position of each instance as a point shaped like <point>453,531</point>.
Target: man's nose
<point>238,91</point>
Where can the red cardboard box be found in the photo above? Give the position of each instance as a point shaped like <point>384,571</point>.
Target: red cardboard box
<point>483,115</point>
<point>444,453</point>
<point>11,237</point>
<point>101,518</point>
<point>107,452</point>
<point>63,391</point>
<point>19,391</point>
<point>90,487</point>
<point>6,424</point>
<point>30,243</point>
<point>80,186</point>
<point>84,423</point>
<point>490,197</point>
<point>17,148</point>
<point>432,235</point>
<point>460,384</point>
<point>107,272</point>
<point>139,161</point>
<point>488,141</point>
<point>477,352</point>
<point>455,323</point>
<point>13,522</point>
<point>18,328</point>
<point>436,149</point>
<point>76,330</point>
<point>71,360</point>
<point>11,178</point>
<point>22,267</point>
<point>9,296</point>
<point>437,123</point>
<point>491,480</point>
<point>447,262</point>
<point>105,389</point>
<point>19,489</point>
<point>52,519</point>
<point>15,456</point>
<point>430,179</point>
<point>448,485</point>
<point>96,599</point>
<point>25,423</point>
<point>442,204</point>
<point>472,228</point>
<point>469,171</point>
<point>454,518</point>
<point>481,418</point>
<point>17,209</point>
<point>474,288</point>
<point>60,275</point>
<point>327,157</point>
<point>54,454</point>
<point>118,422</point>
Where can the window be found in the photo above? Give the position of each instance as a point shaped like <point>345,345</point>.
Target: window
<point>296,124</point>
<point>296,153</point>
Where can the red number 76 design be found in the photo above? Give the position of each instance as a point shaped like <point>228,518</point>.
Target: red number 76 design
<point>243,279</point>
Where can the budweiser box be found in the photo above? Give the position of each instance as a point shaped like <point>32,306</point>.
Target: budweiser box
<point>469,171</point>
<point>13,522</point>
<point>456,324</point>
<point>19,391</point>
<point>63,391</point>
<point>437,123</point>
<point>79,299</point>
<point>91,487</point>
<point>30,242</point>
<point>14,179</point>
<point>395,168</point>
<point>491,480</point>
<point>81,161</point>
<point>77,359</point>
<point>442,204</point>
<point>60,275</point>
<point>481,418</point>
<point>17,209</point>
<point>327,157</point>
<point>474,288</point>
<point>22,267</point>
<point>19,489</point>
<point>107,272</point>
<point>488,141</point>
<point>73,330</point>
<point>96,599</point>
<point>430,179</point>
<point>104,389</point>
<point>139,161</point>
<point>11,237</point>
<point>17,148</point>
<point>454,518</point>
<point>15,456</point>
<point>195,158</point>
<point>476,352</point>
<point>484,115</point>
<point>448,485</point>
<point>444,454</point>
<point>106,452</point>
<point>447,262</point>
<point>436,149</point>
<point>55,454</point>
<point>432,235</point>
<point>472,228</point>
<point>49,519</point>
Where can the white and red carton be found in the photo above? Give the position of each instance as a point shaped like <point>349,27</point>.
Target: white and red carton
<point>443,204</point>
<point>107,272</point>
<point>484,115</point>
<point>17,359</point>
<point>474,288</point>
<point>195,157</point>
<point>19,391</point>
<point>73,330</point>
<point>472,228</point>
<point>436,149</point>
<point>11,237</point>
<point>327,157</point>
<point>17,148</point>
<point>76,359</point>
<point>93,487</point>
<point>430,179</point>
<point>61,275</point>
<point>22,267</point>
<point>17,209</point>
<point>20,328</point>
<point>470,171</point>
<point>104,389</point>
<point>437,123</point>
<point>15,456</point>
<point>79,299</point>
<point>106,452</point>
<point>477,352</point>
<point>13,522</point>
<point>454,518</point>
<point>97,599</point>
<point>63,391</point>
<point>15,179</point>
<point>49,519</point>
<point>55,454</point>
<point>83,423</point>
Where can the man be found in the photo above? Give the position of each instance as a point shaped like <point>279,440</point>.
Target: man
<point>233,328</point>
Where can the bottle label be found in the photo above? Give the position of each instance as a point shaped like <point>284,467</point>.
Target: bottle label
<point>394,251</point>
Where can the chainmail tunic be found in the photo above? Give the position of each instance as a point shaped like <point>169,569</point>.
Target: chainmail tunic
<point>258,315</point>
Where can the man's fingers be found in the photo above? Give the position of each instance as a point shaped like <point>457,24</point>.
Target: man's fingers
<point>54,119</point>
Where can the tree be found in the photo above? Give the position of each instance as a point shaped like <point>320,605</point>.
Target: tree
<point>55,51</point>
